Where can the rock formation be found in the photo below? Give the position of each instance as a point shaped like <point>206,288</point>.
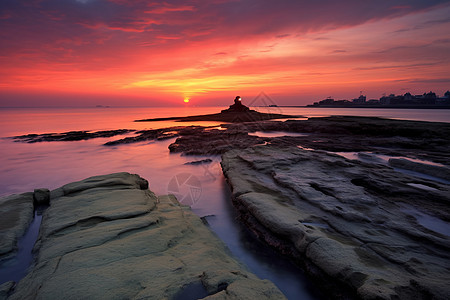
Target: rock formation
<point>236,107</point>
<point>364,227</point>
<point>16,213</point>
<point>236,113</point>
<point>69,136</point>
<point>361,229</point>
<point>425,140</point>
<point>109,237</point>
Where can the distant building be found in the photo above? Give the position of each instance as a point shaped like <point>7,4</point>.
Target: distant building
<point>360,100</point>
<point>429,95</point>
<point>447,94</point>
<point>408,97</point>
<point>386,100</point>
<point>342,103</point>
<point>327,101</point>
<point>429,99</point>
<point>445,100</point>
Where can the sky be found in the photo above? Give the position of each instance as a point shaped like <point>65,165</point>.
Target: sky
<point>149,53</point>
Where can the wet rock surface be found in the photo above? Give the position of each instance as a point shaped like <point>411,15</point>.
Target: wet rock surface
<point>16,214</point>
<point>5,289</point>
<point>361,229</point>
<point>415,139</point>
<point>432,170</point>
<point>69,136</point>
<point>199,162</point>
<point>158,134</point>
<point>109,237</point>
<point>424,140</point>
<point>206,142</point>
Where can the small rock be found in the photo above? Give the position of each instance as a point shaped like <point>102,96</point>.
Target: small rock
<point>199,162</point>
<point>41,196</point>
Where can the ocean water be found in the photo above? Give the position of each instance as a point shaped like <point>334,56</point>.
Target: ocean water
<point>24,167</point>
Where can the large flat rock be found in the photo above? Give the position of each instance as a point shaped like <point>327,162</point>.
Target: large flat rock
<point>375,232</point>
<point>109,237</point>
<point>415,139</point>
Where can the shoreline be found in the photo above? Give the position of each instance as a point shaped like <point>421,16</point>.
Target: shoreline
<point>383,136</point>
<point>381,106</point>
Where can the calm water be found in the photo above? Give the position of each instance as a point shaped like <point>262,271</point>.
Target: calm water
<point>24,167</point>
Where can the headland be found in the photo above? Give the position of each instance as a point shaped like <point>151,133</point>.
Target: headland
<point>236,113</point>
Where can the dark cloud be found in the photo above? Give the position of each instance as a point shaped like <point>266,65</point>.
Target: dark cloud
<point>91,34</point>
<point>395,66</point>
<point>436,22</point>
<point>222,18</point>
<point>424,25</point>
<point>433,80</point>
<point>257,17</point>
<point>402,49</point>
<point>441,41</point>
<point>281,36</point>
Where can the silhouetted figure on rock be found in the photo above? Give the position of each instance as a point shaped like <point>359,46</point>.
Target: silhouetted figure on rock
<point>237,106</point>
<point>236,113</point>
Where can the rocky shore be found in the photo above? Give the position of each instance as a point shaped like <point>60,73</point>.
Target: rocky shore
<point>361,229</point>
<point>70,136</point>
<point>109,237</point>
<point>415,139</point>
<point>424,140</point>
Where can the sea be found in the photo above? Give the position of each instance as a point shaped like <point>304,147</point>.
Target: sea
<point>25,167</point>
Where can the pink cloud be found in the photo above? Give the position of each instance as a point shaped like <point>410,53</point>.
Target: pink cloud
<point>107,45</point>
<point>167,8</point>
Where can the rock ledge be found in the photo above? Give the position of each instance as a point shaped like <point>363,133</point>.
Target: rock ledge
<point>362,226</point>
<point>109,237</point>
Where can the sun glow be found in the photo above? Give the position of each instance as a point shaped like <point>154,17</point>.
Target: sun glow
<point>186,99</point>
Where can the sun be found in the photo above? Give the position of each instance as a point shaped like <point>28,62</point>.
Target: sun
<point>186,100</point>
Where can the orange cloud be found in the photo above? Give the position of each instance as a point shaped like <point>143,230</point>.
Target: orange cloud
<point>205,50</point>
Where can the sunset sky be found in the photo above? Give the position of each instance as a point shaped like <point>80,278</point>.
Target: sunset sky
<point>148,53</point>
